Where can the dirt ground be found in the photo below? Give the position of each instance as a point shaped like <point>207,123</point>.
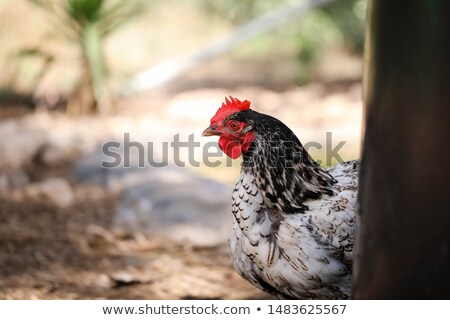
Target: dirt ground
<point>50,253</point>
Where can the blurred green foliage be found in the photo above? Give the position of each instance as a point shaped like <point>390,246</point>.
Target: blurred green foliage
<point>82,26</point>
<point>338,24</point>
<point>347,17</point>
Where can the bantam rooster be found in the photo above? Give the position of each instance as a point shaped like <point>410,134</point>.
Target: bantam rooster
<point>294,221</point>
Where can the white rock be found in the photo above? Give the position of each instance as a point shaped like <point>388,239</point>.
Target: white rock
<point>56,190</point>
<point>53,154</point>
<point>176,204</point>
<point>18,145</point>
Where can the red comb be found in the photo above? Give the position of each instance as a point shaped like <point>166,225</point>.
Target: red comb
<point>230,106</point>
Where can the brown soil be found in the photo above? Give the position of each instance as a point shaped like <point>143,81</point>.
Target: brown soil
<point>72,253</point>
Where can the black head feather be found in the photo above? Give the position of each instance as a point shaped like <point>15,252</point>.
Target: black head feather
<point>284,171</point>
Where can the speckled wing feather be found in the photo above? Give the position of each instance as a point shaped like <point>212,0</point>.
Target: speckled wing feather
<point>302,255</point>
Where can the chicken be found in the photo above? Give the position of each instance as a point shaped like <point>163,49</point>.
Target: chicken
<point>293,221</point>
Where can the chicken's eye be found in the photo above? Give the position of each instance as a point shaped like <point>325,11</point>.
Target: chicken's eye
<point>234,125</point>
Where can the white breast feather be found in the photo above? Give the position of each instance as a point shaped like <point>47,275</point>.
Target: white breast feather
<point>306,256</point>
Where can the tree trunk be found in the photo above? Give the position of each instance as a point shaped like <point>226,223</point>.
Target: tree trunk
<point>403,243</point>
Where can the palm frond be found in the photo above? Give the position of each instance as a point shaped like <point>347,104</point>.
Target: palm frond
<point>88,23</point>
<point>85,11</point>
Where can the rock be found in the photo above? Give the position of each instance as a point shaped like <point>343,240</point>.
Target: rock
<point>170,202</point>
<point>104,281</point>
<point>56,190</point>
<point>175,203</point>
<point>53,154</point>
<point>123,278</point>
<point>18,144</point>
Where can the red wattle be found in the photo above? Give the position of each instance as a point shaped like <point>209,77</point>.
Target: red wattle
<point>233,148</point>
<point>230,147</point>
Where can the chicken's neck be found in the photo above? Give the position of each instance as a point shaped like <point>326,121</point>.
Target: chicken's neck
<point>286,174</point>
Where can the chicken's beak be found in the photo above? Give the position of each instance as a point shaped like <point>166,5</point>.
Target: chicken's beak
<point>211,132</point>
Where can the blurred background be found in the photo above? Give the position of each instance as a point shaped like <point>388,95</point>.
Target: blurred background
<point>79,73</point>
